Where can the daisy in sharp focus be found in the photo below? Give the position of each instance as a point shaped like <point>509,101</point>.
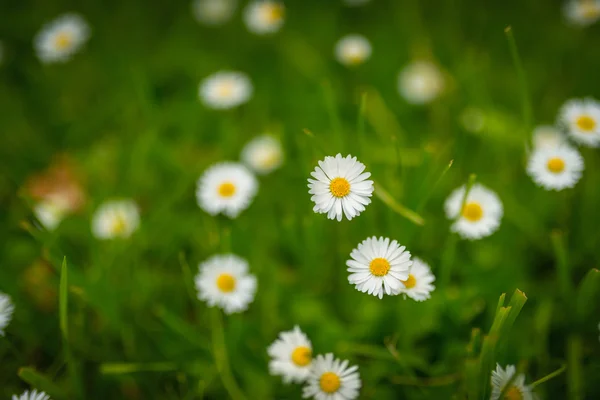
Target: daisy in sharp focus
<point>378,266</point>
<point>332,379</point>
<point>291,356</point>
<point>223,281</point>
<point>33,395</point>
<point>582,12</point>
<point>420,82</point>
<point>116,219</point>
<point>419,284</point>
<point>517,391</point>
<point>225,90</point>
<point>226,188</point>
<point>555,168</point>
<point>581,119</point>
<point>61,38</point>
<point>352,50</point>
<point>480,216</point>
<point>263,154</point>
<point>547,136</point>
<point>264,16</point>
<point>341,187</point>
<point>213,12</point>
<point>6,311</point>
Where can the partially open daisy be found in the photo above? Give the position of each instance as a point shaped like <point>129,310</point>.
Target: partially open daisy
<point>264,16</point>
<point>213,12</point>
<point>555,168</point>
<point>332,379</point>
<point>341,187</point>
<point>517,391</point>
<point>378,266</point>
<point>481,214</point>
<point>225,89</point>
<point>33,395</point>
<point>291,356</point>
<point>116,219</point>
<point>582,12</point>
<point>6,311</point>
<point>223,281</point>
<point>352,50</point>
<point>263,154</point>
<point>581,119</point>
<point>61,38</point>
<point>547,136</point>
<point>420,82</point>
<point>226,188</point>
<point>419,284</point>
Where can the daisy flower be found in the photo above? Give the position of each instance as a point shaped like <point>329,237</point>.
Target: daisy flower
<point>263,154</point>
<point>225,89</point>
<point>116,219</point>
<point>332,379</point>
<point>6,311</point>
<point>517,390</point>
<point>582,12</point>
<point>291,356</point>
<point>264,17</point>
<point>581,119</point>
<point>61,38</point>
<point>352,50</point>
<point>51,211</point>
<point>420,82</point>
<point>340,187</point>
<point>547,136</point>
<point>481,214</point>
<point>378,266</point>
<point>213,12</point>
<point>224,281</point>
<point>33,395</point>
<point>419,285</point>
<point>226,188</point>
<point>555,168</point>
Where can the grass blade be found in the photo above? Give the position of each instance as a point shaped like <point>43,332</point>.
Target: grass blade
<point>562,267</point>
<point>63,302</point>
<point>525,102</point>
<point>587,294</point>
<point>384,196</point>
<point>41,382</point>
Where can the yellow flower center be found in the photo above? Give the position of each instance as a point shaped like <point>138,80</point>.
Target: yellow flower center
<point>472,212</point>
<point>226,189</point>
<point>556,165</point>
<point>410,282</point>
<point>63,40</point>
<point>513,394</point>
<point>301,356</point>
<point>379,266</point>
<point>225,89</point>
<point>339,187</point>
<point>226,283</point>
<point>586,123</point>
<point>274,13</point>
<point>355,56</point>
<point>118,225</point>
<point>270,159</point>
<point>589,9</point>
<point>330,382</point>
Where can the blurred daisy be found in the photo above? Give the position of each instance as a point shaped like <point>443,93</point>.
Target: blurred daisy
<point>332,379</point>
<point>50,212</point>
<point>340,187</point>
<point>225,89</point>
<point>115,219</point>
<point>582,12</point>
<point>481,214</point>
<point>419,285</point>
<point>420,82</point>
<point>224,281</point>
<point>517,390</point>
<point>263,154</point>
<point>547,136</point>
<point>264,17</point>
<point>226,188</point>
<point>213,12</point>
<point>352,50</point>
<point>555,168</point>
<point>378,266</point>
<point>291,356</point>
<point>6,311</point>
<point>33,395</point>
<point>581,118</point>
<point>61,38</point>
<point>355,3</point>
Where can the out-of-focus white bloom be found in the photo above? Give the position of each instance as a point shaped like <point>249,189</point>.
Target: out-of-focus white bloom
<point>331,379</point>
<point>547,136</point>
<point>61,38</point>
<point>225,89</point>
<point>263,154</point>
<point>291,356</point>
<point>213,12</point>
<point>116,219</point>
<point>352,50</point>
<point>481,214</point>
<point>264,16</point>
<point>555,168</point>
<point>582,12</point>
<point>6,311</point>
<point>581,119</point>
<point>419,284</point>
<point>33,395</point>
<point>51,211</point>
<point>420,82</point>
<point>517,390</point>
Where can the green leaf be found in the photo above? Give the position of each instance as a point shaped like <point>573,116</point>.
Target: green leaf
<point>41,382</point>
<point>562,267</point>
<point>587,294</point>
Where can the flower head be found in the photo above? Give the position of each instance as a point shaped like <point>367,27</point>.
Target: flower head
<point>419,284</point>
<point>555,168</point>
<point>517,391</point>
<point>547,136</point>
<point>263,154</point>
<point>581,119</point>
<point>291,356</point>
<point>225,89</point>
<point>116,219</point>
<point>6,311</point>
<point>213,12</point>
<point>582,12</point>
<point>331,379</point>
<point>33,395</point>
<point>61,38</point>
<point>264,17</point>
<point>420,82</point>
<point>479,217</point>
<point>352,50</point>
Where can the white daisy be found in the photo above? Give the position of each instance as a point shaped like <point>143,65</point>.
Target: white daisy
<point>581,119</point>
<point>291,356</point>
<point>263,154</point>
<point>225,89</point>
<point>213,12</point>
<point>33,395</point>
<point>419,284</point>
<point>226,188</point>
<point>264,17</point>
<point>480,216</point>
<point>332,379</point>
<point>517,390</point>
<point>352,50</point>
<point>115,219</point>
<point>51,211</point>
<point>340,187</point>
<point>582,12</point>
<point>547,136</point>
<point>223,281</point>
<point>420,82</point>
<point>6,311</point>
<point>555,168</point>
<point>61,38</point>
<point>378,266</point>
